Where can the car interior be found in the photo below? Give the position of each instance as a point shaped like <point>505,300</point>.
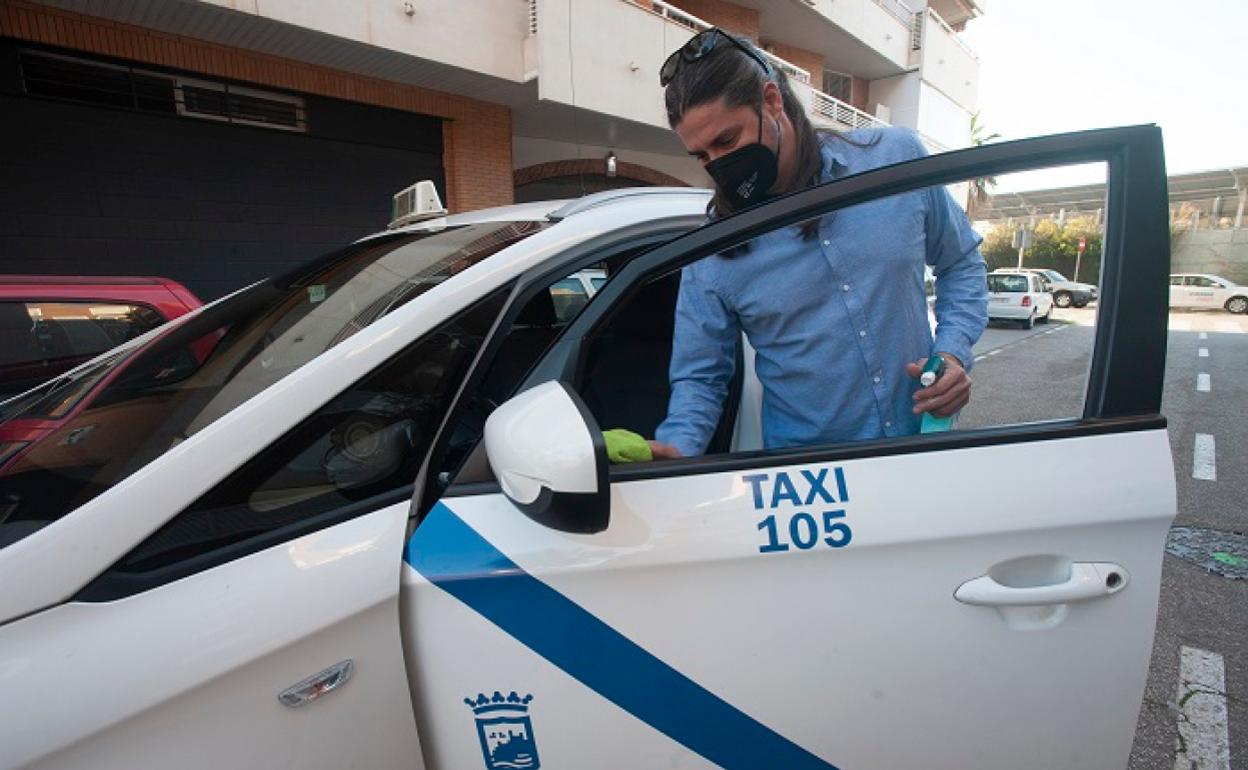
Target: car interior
<point>622,376</point>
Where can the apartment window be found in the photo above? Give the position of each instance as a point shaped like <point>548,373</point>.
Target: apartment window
<point>838,85</point>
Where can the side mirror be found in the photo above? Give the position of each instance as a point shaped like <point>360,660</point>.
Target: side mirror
<point>550,459</point>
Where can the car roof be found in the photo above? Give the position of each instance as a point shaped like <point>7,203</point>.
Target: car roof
<point>682,200</point>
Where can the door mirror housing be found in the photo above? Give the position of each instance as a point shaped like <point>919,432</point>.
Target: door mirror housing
<point>550,458</point>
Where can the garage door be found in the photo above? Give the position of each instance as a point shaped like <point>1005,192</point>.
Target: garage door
<point>124,170</point>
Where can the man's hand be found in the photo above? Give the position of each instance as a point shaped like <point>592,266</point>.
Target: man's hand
<point>663,451</point>
<point>947,395</point>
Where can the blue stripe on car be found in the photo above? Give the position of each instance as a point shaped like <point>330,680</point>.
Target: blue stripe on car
<point>453,556</point>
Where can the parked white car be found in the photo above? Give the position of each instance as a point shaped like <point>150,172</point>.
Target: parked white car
<point>1065,291</point>
<point>1205,291</point>
<point>1018,296</point>
<point>360,515</point>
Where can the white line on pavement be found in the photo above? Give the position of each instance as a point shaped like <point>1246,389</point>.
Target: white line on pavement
<point>1204,458</point>
<point>994,352</point>
<point>1203,352</point>
<point>1202,383</point>
<point>1204,739</point>
<point>1180,324</point>
<point>1204,335</point>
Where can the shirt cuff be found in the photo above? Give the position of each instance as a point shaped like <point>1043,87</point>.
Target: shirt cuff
<point>956,345</point>
<point>689,446</point>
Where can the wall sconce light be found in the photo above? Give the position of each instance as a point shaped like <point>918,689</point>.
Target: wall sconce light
<point>610,164</point>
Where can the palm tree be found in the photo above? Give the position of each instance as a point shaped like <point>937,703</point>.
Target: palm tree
<point>977,194</point>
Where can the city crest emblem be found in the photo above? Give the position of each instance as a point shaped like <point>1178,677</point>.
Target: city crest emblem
<point>505,731</point>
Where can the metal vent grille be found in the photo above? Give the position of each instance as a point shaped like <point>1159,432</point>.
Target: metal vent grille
<point>88,82</point>
<point>85,81</point>
<point>245,106</point>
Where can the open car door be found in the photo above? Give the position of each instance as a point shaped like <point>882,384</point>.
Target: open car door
<point>884,604</point>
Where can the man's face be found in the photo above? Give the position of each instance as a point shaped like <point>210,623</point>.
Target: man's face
<point>712,130</point>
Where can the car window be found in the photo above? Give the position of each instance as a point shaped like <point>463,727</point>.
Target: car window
<point>367,442</point>
<point>1176,280</point>
<point>1054,276</point>
<point>141,404</point>
<point>1007,283</point>
<point>569,297</point>
<point>672,346</point>
<point>598,282</point>
<point>39,340</point>
<point>535,329</point>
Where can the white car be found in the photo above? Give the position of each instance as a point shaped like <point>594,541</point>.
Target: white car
<point>360,515</point>
<point>1202,290</point>
<point>1018,296</point>
<point>1065,291</point>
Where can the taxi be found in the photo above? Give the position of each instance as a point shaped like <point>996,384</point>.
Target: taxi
<point>361,515</point>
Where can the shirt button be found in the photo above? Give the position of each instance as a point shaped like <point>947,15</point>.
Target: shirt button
<point>876,380</point>
<point>888,424</point>
<point>844,287</point>
<point>862,334</point>
<point>827,243</point>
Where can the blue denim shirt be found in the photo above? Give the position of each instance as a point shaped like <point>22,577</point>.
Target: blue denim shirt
<point>833,319</point>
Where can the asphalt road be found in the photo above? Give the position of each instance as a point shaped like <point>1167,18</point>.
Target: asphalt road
<point>1198,609</point>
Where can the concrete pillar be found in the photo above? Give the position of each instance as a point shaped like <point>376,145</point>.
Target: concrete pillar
<point>1099,212</point>
<point>1215,213</point>
<point>1239,212</point>
<point>1061,217</point>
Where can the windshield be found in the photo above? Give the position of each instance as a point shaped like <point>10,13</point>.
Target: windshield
<point>85,431</point>
<point>1054,275</point>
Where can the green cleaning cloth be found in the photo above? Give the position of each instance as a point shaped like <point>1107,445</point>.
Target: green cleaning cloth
<point>624,446</point>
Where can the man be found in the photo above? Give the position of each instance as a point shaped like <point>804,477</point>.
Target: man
<point>835,308</point>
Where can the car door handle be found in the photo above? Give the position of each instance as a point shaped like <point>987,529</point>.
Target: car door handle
<point>1088,580</point>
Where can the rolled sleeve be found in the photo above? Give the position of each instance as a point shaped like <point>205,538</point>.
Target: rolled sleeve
<point>961,277</point>
<point>703,362</point>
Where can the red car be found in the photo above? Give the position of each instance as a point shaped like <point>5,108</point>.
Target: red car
<point>50,324</point>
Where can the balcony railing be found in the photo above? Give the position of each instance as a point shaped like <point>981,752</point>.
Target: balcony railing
<point>839,112</point>
<point>956,37</point>
<point>694,24</point>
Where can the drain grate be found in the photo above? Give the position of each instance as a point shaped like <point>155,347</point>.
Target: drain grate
<point>1223,553</point>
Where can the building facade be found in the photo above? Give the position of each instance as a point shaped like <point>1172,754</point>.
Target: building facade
<point>217,141</point>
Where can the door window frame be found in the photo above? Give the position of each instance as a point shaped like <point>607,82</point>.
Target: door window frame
<point>1123,391</point>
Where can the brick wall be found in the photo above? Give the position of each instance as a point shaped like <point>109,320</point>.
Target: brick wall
<point>807,60</point>
<point>737,19</point>
<point>861,94</point>
<point>477,135</point>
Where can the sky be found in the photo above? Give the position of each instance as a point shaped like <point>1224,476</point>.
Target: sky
<point>1051,66</point>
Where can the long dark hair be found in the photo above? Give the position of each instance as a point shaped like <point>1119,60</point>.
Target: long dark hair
<point>728,73</point>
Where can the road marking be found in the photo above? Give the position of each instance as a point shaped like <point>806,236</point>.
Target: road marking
<point>1202,383</point>
<point>1203,352</point>
<point>1204,458</point>
<point>1204,335</point>
<point>980,358</point>
<point>1180,324</point>
<point>1204,740</point>
<point>994,352</point>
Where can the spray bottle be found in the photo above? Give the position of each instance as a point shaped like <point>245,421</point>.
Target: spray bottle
<point>932,370</point>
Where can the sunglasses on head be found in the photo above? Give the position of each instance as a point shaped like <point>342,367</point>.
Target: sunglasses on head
<point>698,47</point>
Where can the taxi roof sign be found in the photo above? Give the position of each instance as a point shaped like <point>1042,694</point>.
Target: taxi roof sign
<point>416,203</point>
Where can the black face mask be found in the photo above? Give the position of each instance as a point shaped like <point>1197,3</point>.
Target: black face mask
<point>744,175</point>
